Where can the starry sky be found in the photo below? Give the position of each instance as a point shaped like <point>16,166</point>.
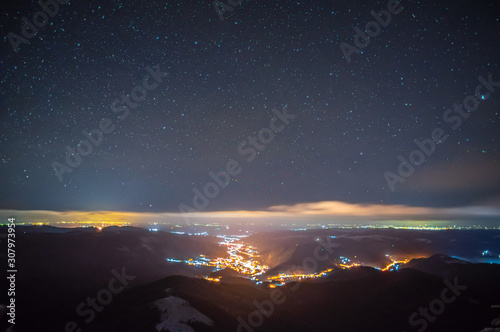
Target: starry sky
<point>219,82</point>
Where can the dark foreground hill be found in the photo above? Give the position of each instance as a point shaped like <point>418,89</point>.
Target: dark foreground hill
<point>60,268</point>
<point>359,299</point>
<point>61,274</point>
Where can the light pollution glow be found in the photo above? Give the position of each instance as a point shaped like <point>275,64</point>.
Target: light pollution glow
<point>302,212</point>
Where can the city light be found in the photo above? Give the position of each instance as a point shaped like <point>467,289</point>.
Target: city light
<point>244,259</point>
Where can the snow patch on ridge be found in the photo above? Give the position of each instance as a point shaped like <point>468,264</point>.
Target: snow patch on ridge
<point>177,314</point>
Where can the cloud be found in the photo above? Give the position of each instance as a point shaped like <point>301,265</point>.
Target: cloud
<point>331,210</point>
<point>368,211</point>
<point>337,208</point>
<point>70,218</point>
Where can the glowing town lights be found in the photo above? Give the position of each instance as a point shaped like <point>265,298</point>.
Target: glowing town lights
<point>241,258</point>
<point>395,265</point>
<point>282,277</point>
<point>212,279</point>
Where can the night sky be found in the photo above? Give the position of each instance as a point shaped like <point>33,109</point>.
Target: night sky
<point>221,82</point>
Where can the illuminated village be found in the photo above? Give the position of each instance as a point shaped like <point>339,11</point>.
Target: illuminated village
<point>243,259</point>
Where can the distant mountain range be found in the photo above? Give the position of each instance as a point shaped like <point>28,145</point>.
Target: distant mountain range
<point>358,299</point>
<point>60,270</point>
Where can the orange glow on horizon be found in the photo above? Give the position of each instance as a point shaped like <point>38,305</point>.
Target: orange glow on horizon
<point>311,210</point>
